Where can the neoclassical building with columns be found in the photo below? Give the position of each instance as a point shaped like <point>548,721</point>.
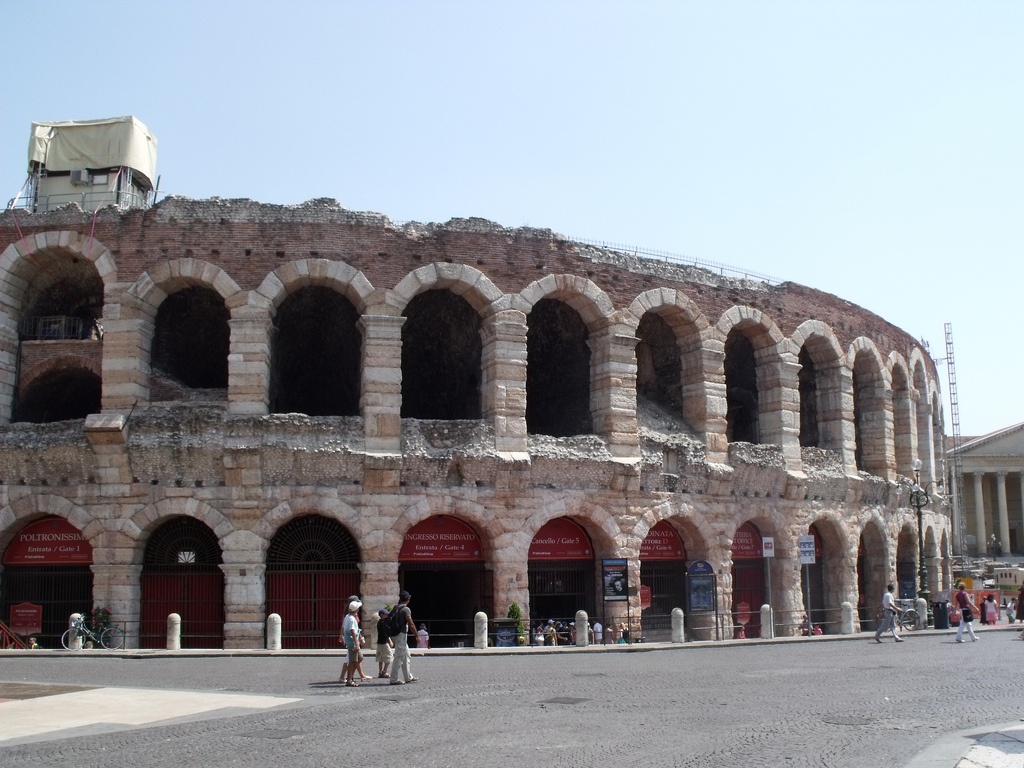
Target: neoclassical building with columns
<point>225,409</point>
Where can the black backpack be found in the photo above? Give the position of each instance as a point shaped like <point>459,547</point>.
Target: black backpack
<point>395,622</point>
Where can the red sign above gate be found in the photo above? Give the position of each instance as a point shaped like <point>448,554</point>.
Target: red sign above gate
<point>746,544</point>
<point>26,618</point>
<point>662,543</point>
<point>441,539</point>
<point>561,539</point>
<point>50,541</point>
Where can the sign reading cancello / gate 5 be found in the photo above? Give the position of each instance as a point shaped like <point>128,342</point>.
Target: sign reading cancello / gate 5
<point>51,541</point>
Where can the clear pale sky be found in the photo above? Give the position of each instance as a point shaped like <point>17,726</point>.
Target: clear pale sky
<point>874,150</point>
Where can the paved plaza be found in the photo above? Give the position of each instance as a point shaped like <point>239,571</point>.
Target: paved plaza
<point>926,703</point>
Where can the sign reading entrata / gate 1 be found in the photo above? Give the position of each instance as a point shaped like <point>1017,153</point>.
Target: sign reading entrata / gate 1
<point>616,580</point>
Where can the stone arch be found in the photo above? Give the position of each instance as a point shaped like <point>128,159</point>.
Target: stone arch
<point>325,506</point>
<point>461,279</point>
<point>924,447</point>
<point>903,413</point>
<point>479,517</point>
<point>700,536</point>
<point>821,382</point>
<point>872,408</point>
<point>337,275</point>
<point>140,525</point>
<point>167,277</point>
<point>600,524</point>
<point>21,512</point>
<point>57,363</point>
<point>759,377</point>
<point>593,304</point>
<point>875,568</point>
<point>839,568</point>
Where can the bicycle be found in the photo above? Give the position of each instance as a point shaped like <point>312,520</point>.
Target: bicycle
<point>907,620</point>
<point>110,638</point>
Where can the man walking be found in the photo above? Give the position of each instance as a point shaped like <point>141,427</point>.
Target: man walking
<point>888,615</point>
<point>351,631</point>
<point>401,669</point>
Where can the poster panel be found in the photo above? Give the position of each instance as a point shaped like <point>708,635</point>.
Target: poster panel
<point>616,580</point>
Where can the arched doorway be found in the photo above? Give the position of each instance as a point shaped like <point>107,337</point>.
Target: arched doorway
<point>312,569</point>
<point>663,572</point>
<point>871,576</point>
<point>181,574</point>
<point>46,577</point>
<point>748,593</point>
<point>441,564</point>
<point>561,572</point>
<point>813,583</point>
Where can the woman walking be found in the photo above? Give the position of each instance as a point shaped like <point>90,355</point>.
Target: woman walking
<point>967,611</point>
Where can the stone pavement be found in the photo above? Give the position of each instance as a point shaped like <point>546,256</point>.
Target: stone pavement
<point>838,702</point>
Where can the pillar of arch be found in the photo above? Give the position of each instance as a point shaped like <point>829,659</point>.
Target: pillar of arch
<point>872,408</point>
<point>922,418</point>
<point>903,411</point>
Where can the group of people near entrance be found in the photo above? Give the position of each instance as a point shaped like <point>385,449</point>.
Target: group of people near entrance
<point>393,661</point>
<point>962,610</point>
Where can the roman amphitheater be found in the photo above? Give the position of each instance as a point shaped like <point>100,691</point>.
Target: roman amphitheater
<point>227,409</point>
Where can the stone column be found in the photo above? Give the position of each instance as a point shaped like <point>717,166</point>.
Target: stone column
<point>778,382</point>
<point>1020,542</point>
<point>244,604</point>
<point>127,345</point>
<point>8,365</point>
<point>119,588</point>
<point>504,380</point>
<point>381,400</point>
<point>1004,518</point>
<point>925,442</point>
<point>704,400</point>
<point>848,427</point>
<point>249,359</point>
<point>979,514</point>
<point>613,390</point>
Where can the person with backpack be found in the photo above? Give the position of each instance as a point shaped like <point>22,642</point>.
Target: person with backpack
<point>400,624</point>
<point>385,647</point>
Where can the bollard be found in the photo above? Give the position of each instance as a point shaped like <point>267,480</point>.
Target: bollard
<point>922,613</point>
<point>480,630</point>
<point>173,632</point>
<point>678,626</point>
<point>846,620</point>
<point>582,629</point>
<point>767,622</point>
<point>274,632</point>
<point>76,641</point>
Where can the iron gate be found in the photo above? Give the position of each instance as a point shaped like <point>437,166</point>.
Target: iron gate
<point>312,570</point>
<point>181,574</point>
<point>60,589</point>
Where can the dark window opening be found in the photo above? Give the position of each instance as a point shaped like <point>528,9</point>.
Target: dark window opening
<point>71,393</point>
<point>63,289</point>
<point>191,338</point>
<point>557,371</point>
<point>741,389</point>
<point>659,367</point>
<point>316,355</point>
<point>808,386</point>
<point>863,404</point>
<point>441,358</point>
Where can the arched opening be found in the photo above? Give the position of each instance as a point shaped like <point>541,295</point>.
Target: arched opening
<point>741,389</point>
<point>441,358</point>
<point>181,574</point>
<point>869,415</point>
<point>906,564</point>
<point>663,572</point>
<point>560,571</point>
<point>812,579</point>
<point>808,386</point>
<point>871,576</point>
<point>46,577</point>
<point>557,371</point>
<point>59,395</point>
<point>659,364</point>
<point>312,569</point>
<point>64,298</point>
<point>191,338</point>
<point>748,580</point>
<point>902,437</point>
<point>441,565</point>
<point>315,356</point>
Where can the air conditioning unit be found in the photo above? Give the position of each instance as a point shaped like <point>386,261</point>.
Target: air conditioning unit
<point>80,179</point>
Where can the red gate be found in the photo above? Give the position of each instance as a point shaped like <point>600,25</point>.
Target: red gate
<point>181,574</point>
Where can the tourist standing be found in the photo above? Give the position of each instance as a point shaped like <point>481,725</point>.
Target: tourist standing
<point>385,647</point>
<point>423,637</point>
<point>350,631</point>
<point>401,667</point>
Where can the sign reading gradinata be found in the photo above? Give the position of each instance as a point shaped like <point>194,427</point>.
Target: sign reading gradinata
<point>50,541</point>
<point>662,543</point>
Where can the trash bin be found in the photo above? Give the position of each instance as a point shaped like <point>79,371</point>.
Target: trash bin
<point>941,613</point>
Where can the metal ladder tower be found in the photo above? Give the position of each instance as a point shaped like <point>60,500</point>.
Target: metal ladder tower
<point>958,463</point>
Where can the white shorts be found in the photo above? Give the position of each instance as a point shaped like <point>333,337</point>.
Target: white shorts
<point>385,653</point>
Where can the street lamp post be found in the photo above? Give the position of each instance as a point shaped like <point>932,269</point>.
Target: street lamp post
<point>919,498</point>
